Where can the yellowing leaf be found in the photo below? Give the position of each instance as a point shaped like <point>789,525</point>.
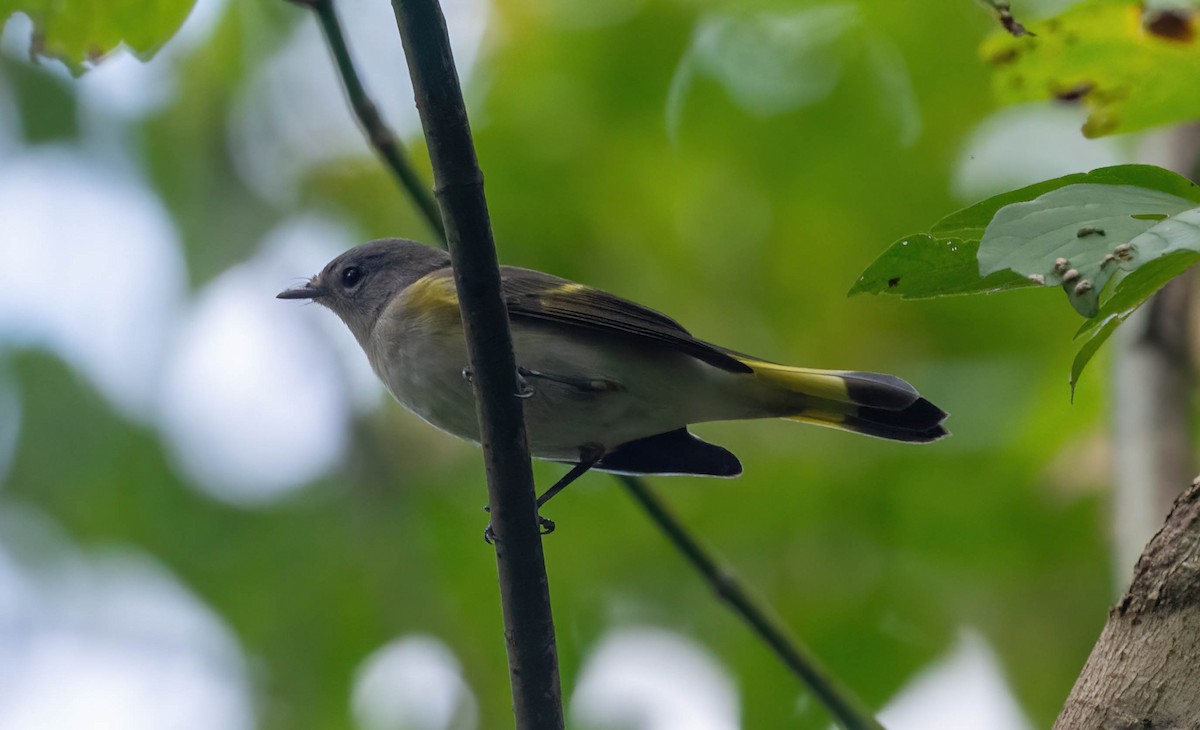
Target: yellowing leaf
<point>79,31</point>
<point>1133,69</point>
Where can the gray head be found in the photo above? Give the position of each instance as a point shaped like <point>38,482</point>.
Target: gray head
<point>358,284</point>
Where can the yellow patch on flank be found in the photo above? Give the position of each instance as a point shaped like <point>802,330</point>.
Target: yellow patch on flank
<point>826,384</point>
<point>433,297</point>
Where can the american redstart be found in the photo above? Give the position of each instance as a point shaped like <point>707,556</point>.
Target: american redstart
<point>608,383</point>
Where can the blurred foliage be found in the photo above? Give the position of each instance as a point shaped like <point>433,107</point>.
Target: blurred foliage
<point>1133,64</point>
<point>748,227</point>
<point>81,32</point>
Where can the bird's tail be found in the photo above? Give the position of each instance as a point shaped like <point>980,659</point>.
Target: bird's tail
<point>870,403</point>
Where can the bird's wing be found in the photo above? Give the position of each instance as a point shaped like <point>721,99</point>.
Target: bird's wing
<point>534,295</point>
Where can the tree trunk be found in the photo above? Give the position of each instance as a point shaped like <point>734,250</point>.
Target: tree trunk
<point>1144,671</point>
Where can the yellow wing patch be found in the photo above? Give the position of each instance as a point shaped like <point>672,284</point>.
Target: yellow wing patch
<point>568,289</point>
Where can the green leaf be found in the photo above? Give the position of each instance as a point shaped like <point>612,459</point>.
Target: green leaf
<point>1127,230</point>
<point>1079,236</point>
<point>922,267</point>
<point>970,223</point>
<point>1089,348</point>
<point>1140,285</point>
<point>1132,67</point>
<point>1128,294</point>
<point>943,262</point>
<point>82,32</point>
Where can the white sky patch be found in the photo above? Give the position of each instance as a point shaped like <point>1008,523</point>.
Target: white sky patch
<point>253,394</point>
<point>292,115</point>
<point>126,88</point>
<point>965,688</point>
<point>652,679</point>
<point>15,41</point>
<point>413,683</point>
<point>297,249</point>
<point>112,642</point>
<point>254,403</point>
<point>1022,145</point>
<point>90,269</point>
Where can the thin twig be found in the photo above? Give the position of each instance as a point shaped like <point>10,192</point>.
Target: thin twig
<point>377,132</point>
<point>847,709</point>
<point>840,702</point>
<point>1004,14</point>
<point>458,185</point>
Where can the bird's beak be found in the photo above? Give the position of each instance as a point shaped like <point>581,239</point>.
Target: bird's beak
<point>308,291</point>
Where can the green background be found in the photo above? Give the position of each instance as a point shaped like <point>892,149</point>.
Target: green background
<point>618,153</point>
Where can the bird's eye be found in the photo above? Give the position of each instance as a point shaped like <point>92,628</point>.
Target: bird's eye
<point>351,275</point>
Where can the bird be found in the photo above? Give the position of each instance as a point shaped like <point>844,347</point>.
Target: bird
<point>607,383</point>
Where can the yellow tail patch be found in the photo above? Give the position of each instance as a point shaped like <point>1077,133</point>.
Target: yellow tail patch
<point>824,384</point>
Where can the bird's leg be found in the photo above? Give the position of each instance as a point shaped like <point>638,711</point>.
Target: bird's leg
<point>523,388</point>
<point>589,456</point>
<point>588,385</point>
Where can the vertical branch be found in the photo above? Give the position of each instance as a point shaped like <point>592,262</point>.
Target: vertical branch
<point>458,184</point>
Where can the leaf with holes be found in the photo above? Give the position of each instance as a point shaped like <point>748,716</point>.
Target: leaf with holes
<point>1090,347</point>
<point>921,267</point>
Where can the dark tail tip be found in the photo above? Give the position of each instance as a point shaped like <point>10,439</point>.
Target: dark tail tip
<point>920,422</point>
<point>877,390</point>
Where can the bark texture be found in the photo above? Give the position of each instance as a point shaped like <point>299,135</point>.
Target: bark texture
<point>1144,671</point>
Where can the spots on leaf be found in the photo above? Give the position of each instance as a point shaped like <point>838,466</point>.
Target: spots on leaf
<point>1072,93</point>
<point>1173,24</point>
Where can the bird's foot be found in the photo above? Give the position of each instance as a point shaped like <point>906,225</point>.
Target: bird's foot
<point>545,527</point>
<point>524,389</point>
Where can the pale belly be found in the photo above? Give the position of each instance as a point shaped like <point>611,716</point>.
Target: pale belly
<point>614,395</point>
